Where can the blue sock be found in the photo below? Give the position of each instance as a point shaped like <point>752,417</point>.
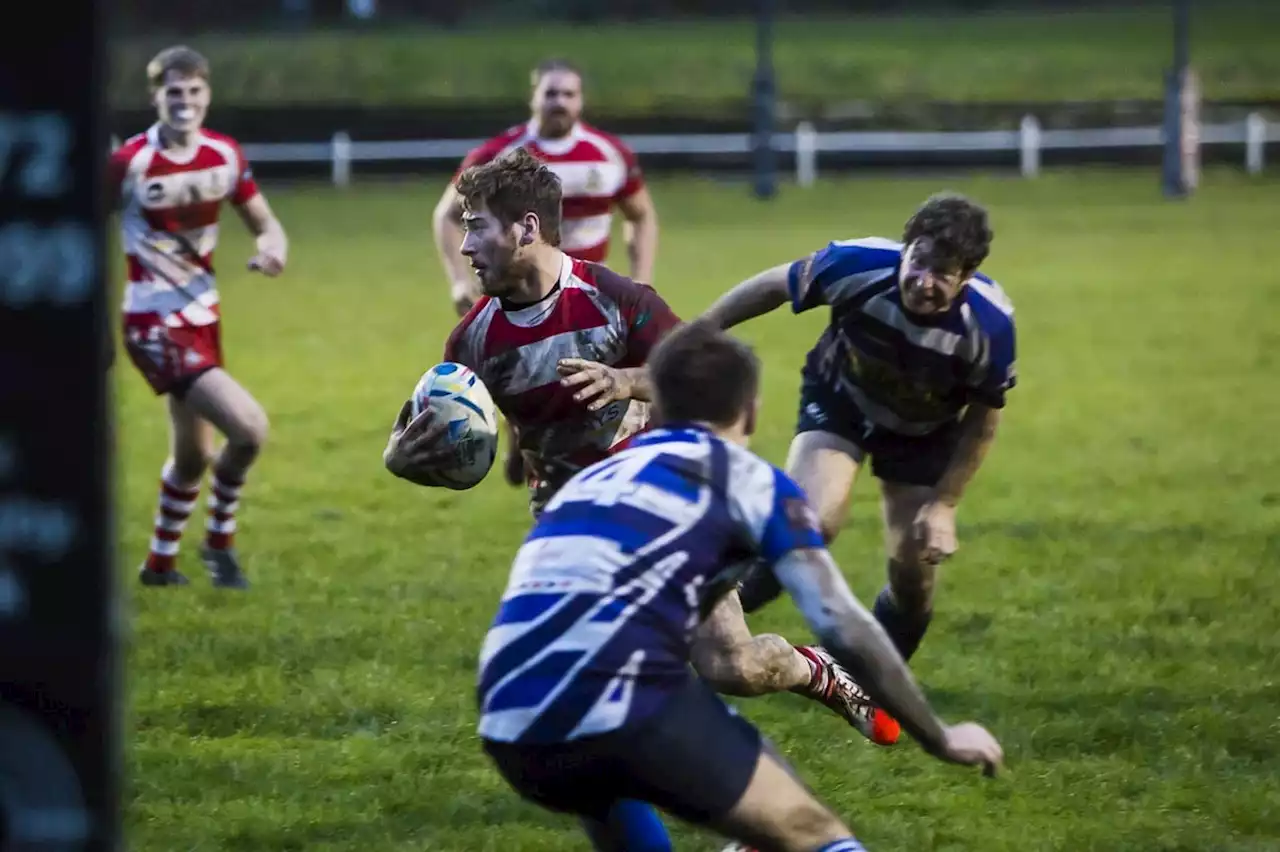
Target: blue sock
<point>905,629</point>
<point>636,827</point>
<point>848,844</point>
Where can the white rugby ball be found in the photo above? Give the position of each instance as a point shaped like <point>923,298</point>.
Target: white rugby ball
<point>456,394</point>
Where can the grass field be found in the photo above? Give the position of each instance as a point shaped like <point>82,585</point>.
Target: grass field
<point>636,69</point>
<point>1111,614</point>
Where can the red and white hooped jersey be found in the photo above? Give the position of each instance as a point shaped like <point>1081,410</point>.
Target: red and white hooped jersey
<point>596,170</point>
<point>594,314</point>
<point>169,218</point>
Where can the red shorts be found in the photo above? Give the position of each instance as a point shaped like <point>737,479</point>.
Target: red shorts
<point>170,359</point>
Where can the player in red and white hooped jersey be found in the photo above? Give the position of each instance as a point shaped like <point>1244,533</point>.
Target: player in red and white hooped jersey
<point>597,172</point>
<point>171,182</point>
<point>547,323</point>
<point>561,346</point>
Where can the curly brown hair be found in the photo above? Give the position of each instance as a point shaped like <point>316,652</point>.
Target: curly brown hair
<point>511,187</point>
<point>957,232</point>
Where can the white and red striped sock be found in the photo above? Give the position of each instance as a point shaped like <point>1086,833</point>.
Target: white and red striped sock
<point>224,499</point>
<point>177,501</point>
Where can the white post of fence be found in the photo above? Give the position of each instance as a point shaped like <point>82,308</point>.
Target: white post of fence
<point>341,158</point>
<point>806,154</point>
<point>1255,142</point>
<point>1029,137</point>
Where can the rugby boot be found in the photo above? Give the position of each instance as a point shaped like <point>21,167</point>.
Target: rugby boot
<point>151,577</point>
<point>224,568</point>
<point>875,724</point>
<point>833,686</point>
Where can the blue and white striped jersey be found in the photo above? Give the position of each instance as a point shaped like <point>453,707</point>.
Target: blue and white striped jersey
<point>906,373</point>
<point>595,626</point>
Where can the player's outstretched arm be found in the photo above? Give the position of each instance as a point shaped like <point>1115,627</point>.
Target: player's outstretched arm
<point>446,226</point>
<point>934,528</point>
<point>978,428</point>
<point>757,296</point>
<point>858,642</point>
<point>271,242</point>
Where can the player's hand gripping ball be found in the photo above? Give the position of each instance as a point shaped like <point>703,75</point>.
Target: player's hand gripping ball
<point>460,409</point>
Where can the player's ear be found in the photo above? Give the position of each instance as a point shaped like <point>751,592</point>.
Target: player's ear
<point>529,227</point>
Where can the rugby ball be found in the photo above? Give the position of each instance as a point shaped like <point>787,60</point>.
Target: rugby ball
<point>455,394</point>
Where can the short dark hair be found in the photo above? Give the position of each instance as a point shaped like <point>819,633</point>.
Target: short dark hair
<point>180,58</point>
<point>702,374</point>
<point>513,185</point>
<point>546,66</point>
<point>956,231</point>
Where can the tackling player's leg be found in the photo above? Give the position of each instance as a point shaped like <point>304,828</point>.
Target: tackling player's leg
<point>219,399</point>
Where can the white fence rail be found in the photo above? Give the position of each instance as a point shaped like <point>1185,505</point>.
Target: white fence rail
<point>1029,141</point>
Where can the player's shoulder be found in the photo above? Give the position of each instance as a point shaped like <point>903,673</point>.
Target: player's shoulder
<point>124,154</point>
<point>215,137</point>
<point>748,467</point>
<point>862,254</point>
<point>607,143</point>
<point>223,144</point>
<point>495,146</point>
<point>759,489</point>
<point>614,286</point>
<point>989,305</point>
<point>133,144</point>
<point>601,277</point>
<point>462,340</point>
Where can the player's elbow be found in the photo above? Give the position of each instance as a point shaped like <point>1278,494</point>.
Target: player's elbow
<point>984,421</point>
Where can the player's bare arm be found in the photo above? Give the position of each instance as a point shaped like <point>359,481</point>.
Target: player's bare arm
<point>602,384</point>
<point>415,448</point>
<point>860,644</point>
<point>935,525</point>
<point>640,231</point>
<point>271,241</point>
<point>758,295</point>
<point>446,224</point>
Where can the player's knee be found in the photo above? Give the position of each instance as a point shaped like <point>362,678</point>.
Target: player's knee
<point>189,464</point>
<point>250,432</point>
<point>809,825</point>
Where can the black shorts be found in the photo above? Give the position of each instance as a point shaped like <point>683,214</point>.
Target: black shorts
<point>904,459</point>
<point>693,758</point>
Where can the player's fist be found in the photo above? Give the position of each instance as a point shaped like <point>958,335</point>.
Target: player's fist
<point>934,532</point>
<point>268,263</point>
<point>970,744</point>
<point>597,384</point>
<point>415,448</point>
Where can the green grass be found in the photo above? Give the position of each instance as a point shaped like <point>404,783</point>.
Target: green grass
<point>640,69</point>
<point>1111,614</point>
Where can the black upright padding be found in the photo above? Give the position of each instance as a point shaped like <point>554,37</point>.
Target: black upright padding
<point>59,684</point>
